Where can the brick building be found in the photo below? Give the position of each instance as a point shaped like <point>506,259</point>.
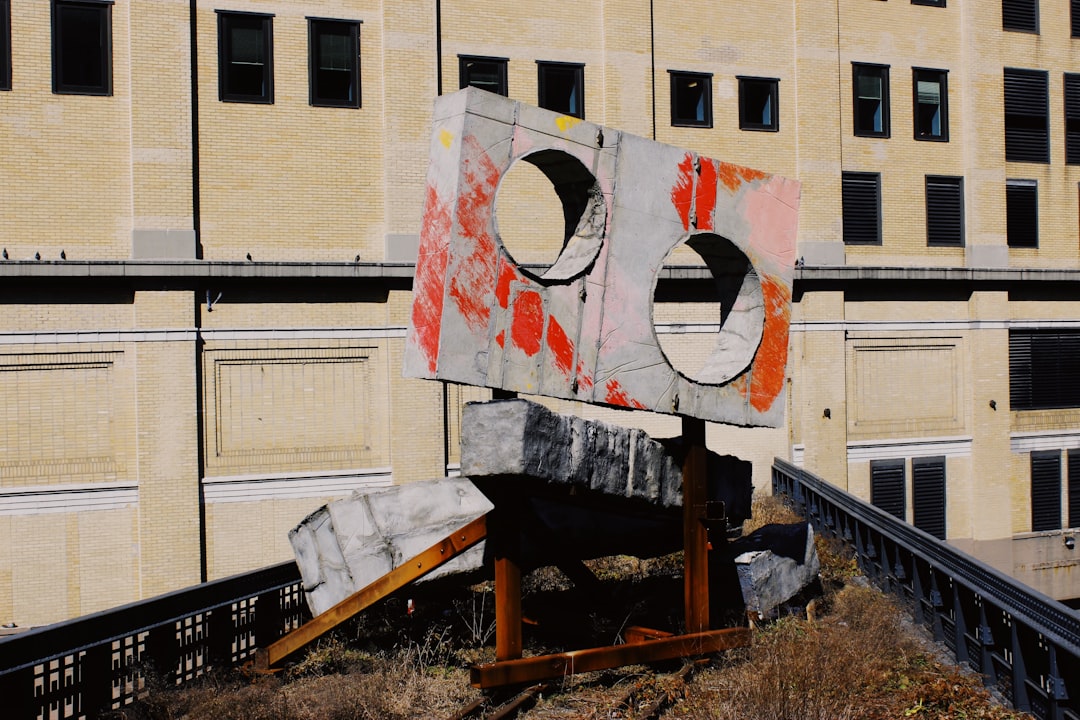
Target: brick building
<point>210,213</point>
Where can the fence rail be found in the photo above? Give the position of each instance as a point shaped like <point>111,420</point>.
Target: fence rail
<point>88,665</point>
<point>1026,645</point>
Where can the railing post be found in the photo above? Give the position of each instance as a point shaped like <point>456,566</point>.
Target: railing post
<point>917,591</point>
<point>1055,686</point>
<point>220,633</point>
<point>93,686</point>
<point>959,626</point>
<point>1020,698</point>
<point>269,622</point>
<point>936,603</point>
<point>986,642</point>
<point>163,653</point>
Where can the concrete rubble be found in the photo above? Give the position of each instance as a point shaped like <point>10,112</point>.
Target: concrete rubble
<point>778,562</point>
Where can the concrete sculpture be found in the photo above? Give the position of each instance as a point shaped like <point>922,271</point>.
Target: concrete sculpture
<point>583,329</point>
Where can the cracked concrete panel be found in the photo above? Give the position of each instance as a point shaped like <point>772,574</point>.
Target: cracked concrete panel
<point>582,328</point>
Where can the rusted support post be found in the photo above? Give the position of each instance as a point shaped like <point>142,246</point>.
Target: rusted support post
<point>505,542</point>
<point>695,532</point>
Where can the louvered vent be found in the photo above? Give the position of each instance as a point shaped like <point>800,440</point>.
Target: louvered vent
<point>1044,369</point>
<point>1072,116</point>
<point>1027,131</point>
<point>1045,491</point>
<point>862,208</point>
<point>928,495</point>
<point>944,211</point>
<point>1020,15</point>
<point>887,486</point>
<point>1022,214</point>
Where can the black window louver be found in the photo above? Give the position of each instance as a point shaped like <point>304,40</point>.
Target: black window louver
<point>861,198</point>
<point>1045,491</point>
<point>1027,131</point>
<point>944,211</point>
<point>1022,214</point>
<point>1074,17</point>
<point>1044,369</point>
<point>928,495</point>
<point>887,487</point>
<point>1020,15</point>
<point>1074,488</point>
<point>1072,119</point>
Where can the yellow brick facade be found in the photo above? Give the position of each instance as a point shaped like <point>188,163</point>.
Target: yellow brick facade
<point>162,428</point>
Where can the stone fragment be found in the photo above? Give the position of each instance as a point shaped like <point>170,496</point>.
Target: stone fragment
<point>774,563</point>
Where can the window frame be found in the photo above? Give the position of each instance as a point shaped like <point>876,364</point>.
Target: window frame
<point>1027,117</point>
<point>59,85</point>
<point>678,120</point>
<point>1045,519</point>
<point>942,77</point>
<point>1024,14</point>
<point>576,70</point>
<point>854,180</point>
<point>500,63</point>
<point>773,89</point>
<point>266,97</point>
<point>934,229</point>
<point>870,69</point>
<point>1016,192</point>
<point>5,39</point>
<point>314,97</point>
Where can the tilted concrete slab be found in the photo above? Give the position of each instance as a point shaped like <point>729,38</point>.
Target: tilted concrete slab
<point>783,561</point>
<point>583,329</point>
<point>348,544</point>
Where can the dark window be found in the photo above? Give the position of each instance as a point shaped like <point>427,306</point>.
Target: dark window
<point>932,3</point>
<point>1027,118</point>
<point>944,211</point>
<point>334,63</point>
<point>871,87</point>
<point>928,495</point>
<point>1073,491</point>
<point>245,57</point>
<point>561,87</point>
<point>758,104</point>
<point>486,73</point>
<point>1072,119</point>
<point>1044,369</point>
<point>887,487</point>
<point>82,47</point>
<point>5,45</point>
<point>1020,15</point>
<point>1022,213</point>
<point>931,104</point>
<point>1074,17</point>
<point>1046,490</point>
<point>691,99</point>
<point>861,208</point>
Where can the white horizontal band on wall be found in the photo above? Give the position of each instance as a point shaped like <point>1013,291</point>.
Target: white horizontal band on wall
<point>189,335</point>
<point>866,450</point>
<point>281,486</point>
<point>38,499</point>
<point>929,325</point>
<point>1033,441</point>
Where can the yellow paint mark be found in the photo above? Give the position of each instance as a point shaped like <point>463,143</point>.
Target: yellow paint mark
<point>446,137</point>
<point>565,122</point>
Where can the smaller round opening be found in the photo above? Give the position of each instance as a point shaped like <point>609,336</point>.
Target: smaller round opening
<point>550,215</point>
<point>711,334</point>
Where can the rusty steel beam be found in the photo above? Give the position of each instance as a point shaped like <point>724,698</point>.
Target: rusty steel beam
<point>451,546</point>
<point>637,633</point>
<point>549,667</point>
<point>695,532</point>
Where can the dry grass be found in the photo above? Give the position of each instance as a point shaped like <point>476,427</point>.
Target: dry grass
<point>858,659</point>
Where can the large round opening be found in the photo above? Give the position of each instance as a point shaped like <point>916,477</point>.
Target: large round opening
<point>550,215</point>
<point>710,334</point>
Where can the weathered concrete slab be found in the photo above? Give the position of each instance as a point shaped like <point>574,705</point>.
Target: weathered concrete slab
<point>782,561</point>
<point>583,329</point>
<point>349,543</point>
<point>522,438</point>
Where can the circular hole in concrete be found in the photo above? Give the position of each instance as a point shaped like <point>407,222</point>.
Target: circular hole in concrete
<point>709,328</point>
<point>550,215</point>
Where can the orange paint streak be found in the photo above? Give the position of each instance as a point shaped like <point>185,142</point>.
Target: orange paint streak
<point>706,194</point>
<point>562,347</point>
<point>767,374</point>
<point>427,308</point>
<point>735,175</point>
<point>528,323</point>
<point>501,338</point>
<point>507,274</point>
<point>474,274</point>
<point>616,395</point>
<point>683,189</point>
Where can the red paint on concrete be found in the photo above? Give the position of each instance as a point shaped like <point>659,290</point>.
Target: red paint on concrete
<point>682,192</point>
<point>507,274</point>
<point>767,375</point>
<point>735,175</point>
<point>706,195</point>
<point>427,306</point>
<point>616,395</point>
<point>562,347</point>
<point>501,338</point>
<point>474,274</point>
<point>527,326</point>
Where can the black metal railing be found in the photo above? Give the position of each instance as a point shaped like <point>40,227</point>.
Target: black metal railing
<point>86,666</point>
<point>1026,645</point>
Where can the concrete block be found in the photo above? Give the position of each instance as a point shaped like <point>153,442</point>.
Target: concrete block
<point>583,329</point>
<point>518,438</point>
<point>348,544</point>
<point>162,244</point>
<point>778,562</point>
